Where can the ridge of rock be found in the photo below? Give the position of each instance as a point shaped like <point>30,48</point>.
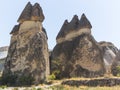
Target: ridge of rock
<point>73,29</point>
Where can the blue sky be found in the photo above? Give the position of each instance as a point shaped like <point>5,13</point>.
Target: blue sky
<point>104,16</point>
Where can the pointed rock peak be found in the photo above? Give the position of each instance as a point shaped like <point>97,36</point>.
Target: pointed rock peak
<point>66,22</point>
<point>15,30</point>
<point>31,13</point>
<point>37,5</point>
<point>63,29</point>
<point>83,15</point>
<point>37,13</point>
<point>84,22</point>
<point>26,13</point>
<point>64,25</point>
<point>75,18</point>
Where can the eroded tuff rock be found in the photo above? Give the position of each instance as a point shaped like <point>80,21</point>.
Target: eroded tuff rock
<point>28,56</point>
<point>116,65</point>
<point>30,12</point>
<point>109,54</point>
<point>77,53</point>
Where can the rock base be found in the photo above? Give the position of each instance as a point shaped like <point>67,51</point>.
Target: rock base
<point>95,82</point>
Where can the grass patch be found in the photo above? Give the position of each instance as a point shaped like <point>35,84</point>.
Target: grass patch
<point>62,87</point>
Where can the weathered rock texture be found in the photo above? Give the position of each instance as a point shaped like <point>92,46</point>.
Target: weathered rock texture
<point>94,82</point>
<point>109,54</point>
<point>3,55</point>
<point>77,53</point>
<point>116,65</point>
<point>28,52</point>
<point>30,12</point>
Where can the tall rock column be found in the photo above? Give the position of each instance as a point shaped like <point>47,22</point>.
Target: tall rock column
<point>77,53</point>
<point>28,55</point>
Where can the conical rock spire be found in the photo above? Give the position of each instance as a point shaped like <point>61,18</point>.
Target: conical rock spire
<point>84,22</point>
<point>26,13</point>
<point>32,13</point>
<point>63,29</point>
<point>37,13</point>
<point>28,54</point>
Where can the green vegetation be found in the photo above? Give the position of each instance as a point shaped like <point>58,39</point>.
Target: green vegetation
<point>3,87</point>
<point>52,77</point>
<point>35,89</point>
<point>84,88</point>
<point>56,67</point>
<point>54,74</point>
<point>15,89</point>
<point>118,71</point>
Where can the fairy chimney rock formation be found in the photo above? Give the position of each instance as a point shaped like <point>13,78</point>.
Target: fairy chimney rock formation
<point>77,53</point>
<point>28,52</point>
<point>30,12</point>
<point>74,28</point>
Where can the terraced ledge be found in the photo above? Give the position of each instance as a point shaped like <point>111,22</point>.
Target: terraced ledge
<point>95,82</point>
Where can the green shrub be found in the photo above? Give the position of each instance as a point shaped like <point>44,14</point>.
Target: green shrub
<point>52,77</point>
<point>118,71</point>
<point>3,86</point>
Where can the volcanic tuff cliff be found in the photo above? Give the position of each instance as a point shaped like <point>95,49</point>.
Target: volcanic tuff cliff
<point>77,53</point>
<point>28,52</point>
<point>115,68</point>
<point>109,54</point>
